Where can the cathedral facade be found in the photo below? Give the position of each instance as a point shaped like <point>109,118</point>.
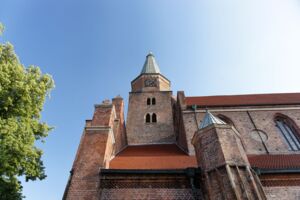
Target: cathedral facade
<point>183,147</point>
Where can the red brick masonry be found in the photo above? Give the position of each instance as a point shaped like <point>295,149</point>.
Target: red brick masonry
<point>275,180</point>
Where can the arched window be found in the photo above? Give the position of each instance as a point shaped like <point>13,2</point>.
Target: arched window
<point>148,101</point>
<point>153,101</point>
<point>225,119</point>
<point>148,118</point>
<point>154,120</point>
<point>289,131</point>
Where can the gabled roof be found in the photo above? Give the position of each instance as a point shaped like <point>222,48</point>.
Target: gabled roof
<point>170,156</point>
<point>164,156</point>
<point>210,119</point>
<point>244,100</point>
<point>150,65</point>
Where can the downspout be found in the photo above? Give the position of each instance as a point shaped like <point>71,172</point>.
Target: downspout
<point>254,125</point>
<point>194,107</point>
<point>190,172</point>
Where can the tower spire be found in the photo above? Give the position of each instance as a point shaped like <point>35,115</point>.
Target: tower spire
<point>150,65</point>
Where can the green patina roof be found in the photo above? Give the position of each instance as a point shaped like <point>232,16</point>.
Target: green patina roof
<point>210,119</point>
<point>150,65</point>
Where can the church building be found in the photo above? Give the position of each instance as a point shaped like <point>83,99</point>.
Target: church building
<point>188,147</point>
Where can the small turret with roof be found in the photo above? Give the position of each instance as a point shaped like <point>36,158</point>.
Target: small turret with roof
<point>150,78</point>
<point>223,160</point>
<point>210,119</point>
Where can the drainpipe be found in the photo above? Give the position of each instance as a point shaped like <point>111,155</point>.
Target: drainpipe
<point>254,125</point>
<point>194,107</point>
<point>190,172</point>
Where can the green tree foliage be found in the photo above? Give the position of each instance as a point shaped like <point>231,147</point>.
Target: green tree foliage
<point>1,29</point>
<point>22,95</point>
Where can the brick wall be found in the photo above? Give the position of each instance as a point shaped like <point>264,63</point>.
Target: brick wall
<point>94,152</point>
<point>119,124</point>
<point>263,120</point>
<point>140,132</point>
<point>162,84</point>
<point>179,128</point>
<point>141,185</point>
<point>283,193</point>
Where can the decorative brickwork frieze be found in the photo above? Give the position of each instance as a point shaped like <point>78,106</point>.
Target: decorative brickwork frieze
<point>144,185</point>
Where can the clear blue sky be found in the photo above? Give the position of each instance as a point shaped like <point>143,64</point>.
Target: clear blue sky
<point>94,48</point>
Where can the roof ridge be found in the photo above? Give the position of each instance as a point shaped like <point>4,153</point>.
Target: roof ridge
<point>253,94</point>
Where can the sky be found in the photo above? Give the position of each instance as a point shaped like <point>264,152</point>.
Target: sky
<point>94,48</point>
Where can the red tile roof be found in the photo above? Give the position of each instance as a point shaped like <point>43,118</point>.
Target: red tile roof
<point>170,156</point>
<point>244,100</point>
<point>167,156</point>
<point>286,161</point>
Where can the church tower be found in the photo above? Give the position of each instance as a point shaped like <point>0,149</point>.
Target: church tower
<point>150,116</point>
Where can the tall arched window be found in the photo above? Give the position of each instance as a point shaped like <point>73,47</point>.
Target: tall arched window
<point>154,120</point>
<point>153,101</point>
<point>148,101</point>
<point>148,118</point>
<point>289,131</point>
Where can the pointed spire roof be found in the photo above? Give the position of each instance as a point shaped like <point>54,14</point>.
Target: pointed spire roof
<point>150,65</point>
<point>210,119</point>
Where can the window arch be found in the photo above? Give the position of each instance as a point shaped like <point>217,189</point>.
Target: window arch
<point>151,118</point>
<point>226,119</point>
<point>148,118</point>
<point>153,101</point>
<point>289,131</point>
<point>154,119</point>
<point>148,101</point>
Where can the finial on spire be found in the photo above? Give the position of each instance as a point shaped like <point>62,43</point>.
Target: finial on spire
<point>150,53</point>
<point>150,65</point>
<point>209,119</point>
